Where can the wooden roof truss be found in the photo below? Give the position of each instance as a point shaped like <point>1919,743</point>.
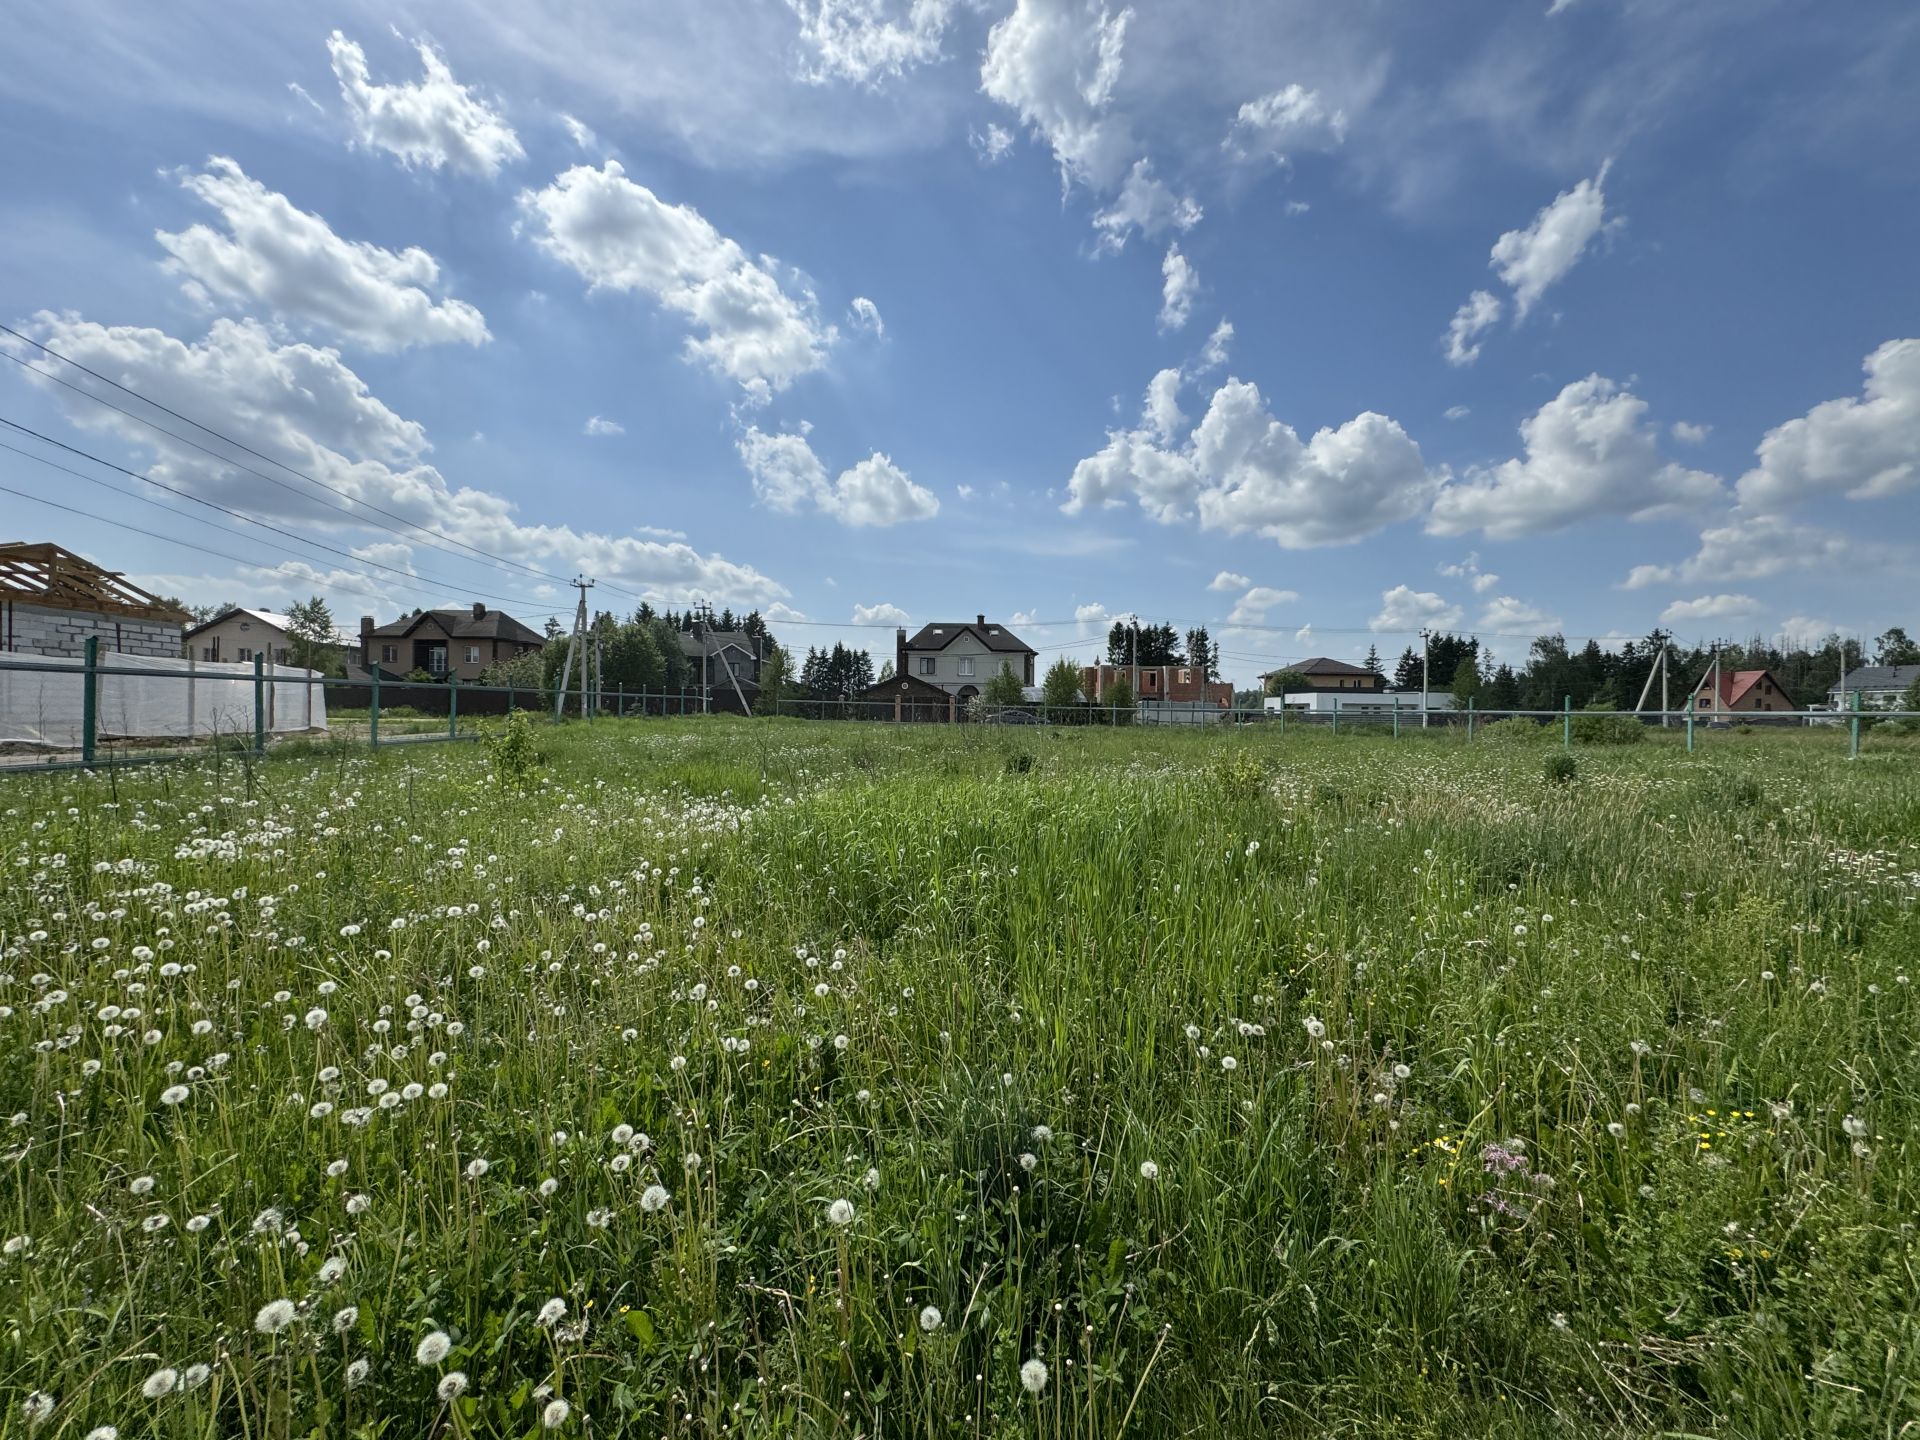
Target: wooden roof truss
<point>61,580</point>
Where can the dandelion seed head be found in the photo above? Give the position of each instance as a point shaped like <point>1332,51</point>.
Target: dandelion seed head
<point>1033,1376</point>
<point>433,1348</point>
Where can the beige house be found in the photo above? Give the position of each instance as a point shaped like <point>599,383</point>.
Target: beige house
<point>960,658</point>
<point>239,635</point>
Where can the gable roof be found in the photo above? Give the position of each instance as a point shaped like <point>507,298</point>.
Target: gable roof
<point>1736,683</point>
<point>282,623</point>
<point>464,625</point>
<point>1882,677</point>
<point>713,642</point>
<point>997,638</point>
<point>1324,665</point>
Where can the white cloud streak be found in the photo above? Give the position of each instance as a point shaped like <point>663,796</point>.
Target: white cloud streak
<point>279,258</point>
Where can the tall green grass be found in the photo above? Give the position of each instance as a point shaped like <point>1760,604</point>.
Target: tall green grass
<point>1251,1084</point>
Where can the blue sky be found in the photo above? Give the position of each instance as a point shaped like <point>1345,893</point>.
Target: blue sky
<point>1311,323</point>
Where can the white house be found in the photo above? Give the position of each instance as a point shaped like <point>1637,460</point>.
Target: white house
<point>1880,687</point>
<point>960,657</point>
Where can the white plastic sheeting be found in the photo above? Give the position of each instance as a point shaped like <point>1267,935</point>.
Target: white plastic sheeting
<point>171,699</point>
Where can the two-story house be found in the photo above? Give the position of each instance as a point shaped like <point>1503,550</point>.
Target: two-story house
<point>1324,673</point>
<point>960,658</point>
<point>1739,692</point>
<point>462,643</point>
<point>725,666</point>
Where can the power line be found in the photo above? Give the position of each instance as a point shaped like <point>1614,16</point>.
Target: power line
<point>236,514</point>
<point>243,446</point>
<point>137,530</point>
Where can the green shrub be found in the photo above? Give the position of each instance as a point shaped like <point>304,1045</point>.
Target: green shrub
<point>1240,775</point>
<point>516,761</point>
<point>1559,768</point>
<point>1608,729</point>
<point>1515,730</point>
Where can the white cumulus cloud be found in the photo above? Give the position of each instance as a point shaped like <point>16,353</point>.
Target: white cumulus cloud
<point>276,257</point>
<point>619,235</point>
<point>1505,615</point>
<point>1179,283</point>
<point>598,425</point>
<point>1864,448</point>
<point>1533,259</point>
<point>435,122</point>
<point>1761,546</point>
<point>304,404</point>
<point>1228,580</point>
<point>869,41</point>
<point>1709,607</point>
<point>1290,119</point>
<point>1404,609</point>
<point>1252,607</point>
<point>1589,453</point>
<point>1241,470</point>
<point>788,477</point>
<point>881,614</point>
<point>1474,318</point>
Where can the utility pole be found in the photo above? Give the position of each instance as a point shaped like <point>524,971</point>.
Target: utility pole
<point>1425,658</point>
<point>576,642</point>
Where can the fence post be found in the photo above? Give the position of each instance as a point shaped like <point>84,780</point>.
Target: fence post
<point>1396,719</point>
<point>1336,714</point>
<point>1690,700</point>
<point>621,710</point>
<point>89,699</point>
<point>1853,748</point>
<point>453,704</point>
<point>1566,722</point>
<point>373,711</point>
<point>259,703</point>
<point>1470,719</point>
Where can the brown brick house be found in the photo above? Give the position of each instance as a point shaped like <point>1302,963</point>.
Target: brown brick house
<point>1177,684</point>
<point>462,643</point>
<point>1324,673</point>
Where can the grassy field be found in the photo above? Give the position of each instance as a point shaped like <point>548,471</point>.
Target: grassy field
<point>721,1078</point>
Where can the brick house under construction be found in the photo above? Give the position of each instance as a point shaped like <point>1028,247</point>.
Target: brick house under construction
<point>52,600</point>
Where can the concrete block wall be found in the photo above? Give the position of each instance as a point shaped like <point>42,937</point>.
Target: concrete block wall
<point>38,630</point>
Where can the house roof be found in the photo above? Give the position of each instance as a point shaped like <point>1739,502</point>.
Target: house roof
<point>465,625</point>
<point>1321,665</point>
<point>282,623</point>
<point>997,638</point>
<point>1736,683</point>
<point>712,642</point>
<point>1882,677</point>
<point>56,577</point>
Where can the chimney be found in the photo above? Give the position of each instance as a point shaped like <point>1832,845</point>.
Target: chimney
<point>980,620</point>
<point>479,610</point>
<point>900,652</point>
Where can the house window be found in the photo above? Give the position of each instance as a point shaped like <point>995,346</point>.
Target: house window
<point>926,664</point>
<point>389,654</point>
<point>966,666</point>
<point>206,652</point>
<point>473,654</point>
<point>1186,676</point>
<point>244,654</point>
